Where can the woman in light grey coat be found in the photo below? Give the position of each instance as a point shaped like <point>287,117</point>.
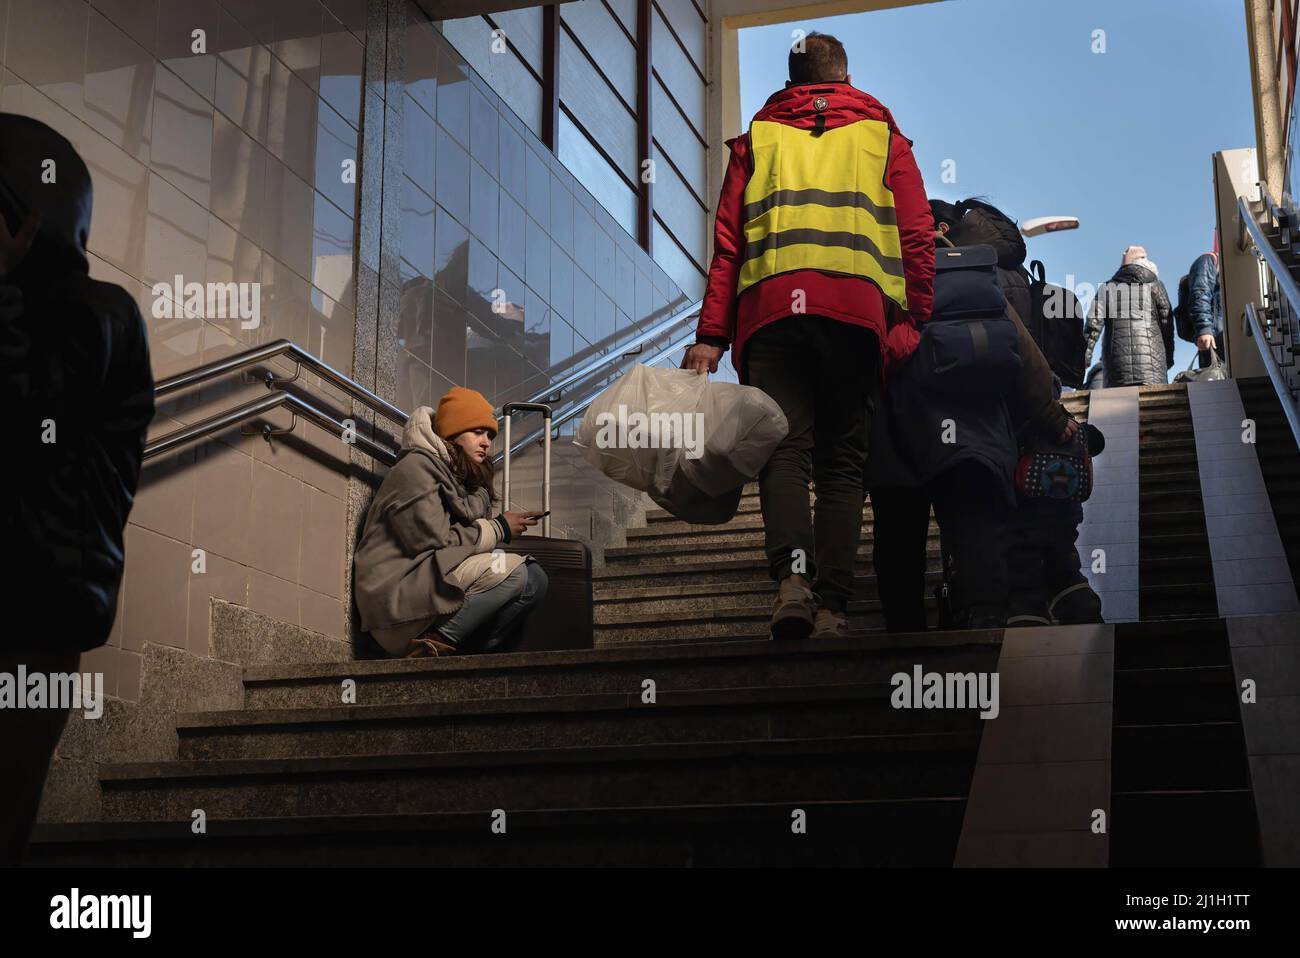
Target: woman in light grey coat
<point>429,578</point>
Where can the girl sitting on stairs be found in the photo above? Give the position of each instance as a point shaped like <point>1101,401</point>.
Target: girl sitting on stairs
<point>429,576</point>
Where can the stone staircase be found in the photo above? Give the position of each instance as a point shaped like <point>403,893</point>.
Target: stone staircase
<point>712,582</point>
<point>586,766</point>
<point>686,737</point>
<point>1279,462</point>
<point>1175,574</point>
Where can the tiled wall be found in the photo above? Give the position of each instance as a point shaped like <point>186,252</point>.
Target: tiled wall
<point>224,161</point>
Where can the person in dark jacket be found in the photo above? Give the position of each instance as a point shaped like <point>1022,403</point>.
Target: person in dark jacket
<point>958,457</point>
<point>1205,305</point>
<point>75,381</point>
<point>1132,316</point>
<point>821,279</point>
<point>1045,583</point>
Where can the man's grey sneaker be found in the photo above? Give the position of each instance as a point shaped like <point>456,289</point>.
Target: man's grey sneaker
<point>793,611</point>
<point>830,625</point>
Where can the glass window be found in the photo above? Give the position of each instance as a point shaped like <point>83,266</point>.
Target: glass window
<point>689,26</point>
<point>602,37</point>
<point>677,264</point>
<point>674,136</point>
<point>504,72</point>
<point>600,179</point>
<point>681,212</point>
<point>593,104</point>
<point>523,28</point>
<point>678,73</point>
<point>625,10</point>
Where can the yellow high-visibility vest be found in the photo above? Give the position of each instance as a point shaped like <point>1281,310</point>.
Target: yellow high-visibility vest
<point>820,202</point>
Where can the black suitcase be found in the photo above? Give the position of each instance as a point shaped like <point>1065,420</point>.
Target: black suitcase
<point>562,620</point>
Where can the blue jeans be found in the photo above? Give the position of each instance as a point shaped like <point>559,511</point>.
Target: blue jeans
<point>489,618</point>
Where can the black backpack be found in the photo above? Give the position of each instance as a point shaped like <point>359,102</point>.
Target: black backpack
<point>969,344</point>
<point>1182,314</point>
<point>1055,322</point>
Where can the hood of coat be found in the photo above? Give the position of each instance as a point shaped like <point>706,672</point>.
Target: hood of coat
<point>982,227</point>
<point>1134,273</point>
<point>419,434</point>
<point>41,171</point>
<point>796,106</point>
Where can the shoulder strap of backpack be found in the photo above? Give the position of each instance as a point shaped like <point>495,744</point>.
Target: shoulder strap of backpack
<point>1038,272</point>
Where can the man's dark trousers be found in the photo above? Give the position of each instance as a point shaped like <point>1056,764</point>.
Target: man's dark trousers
<point>821,372</point>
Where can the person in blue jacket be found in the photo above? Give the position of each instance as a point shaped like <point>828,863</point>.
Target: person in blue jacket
<point>1205,305</point>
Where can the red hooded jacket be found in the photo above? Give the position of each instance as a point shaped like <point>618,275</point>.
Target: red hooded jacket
<point>728,320</point>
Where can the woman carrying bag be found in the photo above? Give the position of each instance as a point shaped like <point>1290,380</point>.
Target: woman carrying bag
<point>428,581</point>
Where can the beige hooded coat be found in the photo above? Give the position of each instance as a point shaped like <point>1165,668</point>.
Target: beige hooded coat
<point>426,542</point>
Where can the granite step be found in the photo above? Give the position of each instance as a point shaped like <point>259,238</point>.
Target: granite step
<point>558,721</point>
<point>677,531</point>
<point>856,833</point>
<point>1176,570</point>
<point>1173,520</point>
<point>1164,444</point>
<point>747,568</point>
<point>748,506</point>
<point>681,666</point>
<point>740,546</point>
<point>685,595</point>
<point>753,621</point>
<point>920,765</point>
<point>1180,601</point>
<point>1172,545</point>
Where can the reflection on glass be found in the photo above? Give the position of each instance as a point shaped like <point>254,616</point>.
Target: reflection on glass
<point>591,170</point>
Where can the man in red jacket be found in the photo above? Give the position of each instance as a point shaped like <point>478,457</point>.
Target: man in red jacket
<point>823,271</point>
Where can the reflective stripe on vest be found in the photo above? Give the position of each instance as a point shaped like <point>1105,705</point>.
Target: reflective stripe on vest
<point>820,202</point>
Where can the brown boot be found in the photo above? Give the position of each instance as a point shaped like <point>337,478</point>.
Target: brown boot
<point>430,644</point>
<point>793,610</point>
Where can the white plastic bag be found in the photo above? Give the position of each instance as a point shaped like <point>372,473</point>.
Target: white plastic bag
<point>688,442</point>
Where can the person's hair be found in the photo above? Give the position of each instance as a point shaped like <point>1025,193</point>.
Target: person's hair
<point>945,212</point>
<point>953,213</point>
<point>474,475</point>
<point>823,58</point>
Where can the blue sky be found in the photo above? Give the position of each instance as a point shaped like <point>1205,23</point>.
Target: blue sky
<point>1040,124</point>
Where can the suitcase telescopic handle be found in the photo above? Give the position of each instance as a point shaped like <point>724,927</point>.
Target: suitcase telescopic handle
<point>545,410</point>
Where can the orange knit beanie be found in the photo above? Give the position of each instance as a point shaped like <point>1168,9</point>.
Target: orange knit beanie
<point>463,409</point>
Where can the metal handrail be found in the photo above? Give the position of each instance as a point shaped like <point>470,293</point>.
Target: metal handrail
<point>261,354</point>
<point>1274,372</point>
<point>580,406</point>
<point>1278,215</point>
<point>1285,281</point>
<point>554,390</point>
<point>303,359</point>
<point>1290,291</point>
<point>258,407</point>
